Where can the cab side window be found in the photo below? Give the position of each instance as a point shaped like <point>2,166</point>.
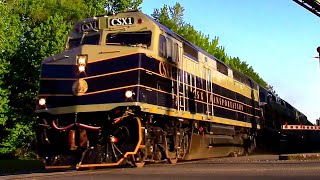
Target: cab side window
<point>175,53</point>
<point>169,49</point>
<point>162,46</point>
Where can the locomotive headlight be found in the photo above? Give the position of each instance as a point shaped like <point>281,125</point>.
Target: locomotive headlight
<point>82,62</point>
<point>42,101</point>
<point>129,94</point>
<point>82,68</point>
<point>82,59</point>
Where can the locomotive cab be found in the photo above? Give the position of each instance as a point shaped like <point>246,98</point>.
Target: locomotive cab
<point>96,47</point>
<point>86,93</point>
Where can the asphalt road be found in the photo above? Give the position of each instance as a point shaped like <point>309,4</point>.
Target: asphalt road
<point>249,167</point>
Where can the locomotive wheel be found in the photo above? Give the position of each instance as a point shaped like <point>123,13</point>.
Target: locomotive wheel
<point>249,145</point>
<point>138,159</point>
<point>138,164</point>
<point>172,160</point>
<point>184,142</point>
<point>253,145</point>
<point>171,156</point>
<point>157,154</point>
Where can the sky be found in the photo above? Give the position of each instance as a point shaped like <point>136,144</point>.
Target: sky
<point>278,38</point>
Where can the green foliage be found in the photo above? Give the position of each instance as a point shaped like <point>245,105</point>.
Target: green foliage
<point>121,5</point>
<point>3,65</point>
<point>172,17</point>
<point>18,136</point>
<point>46,38</point>
<point>10,33</point>
<point>33,12</point>
<point>29,31</point>
<point>95,7</point>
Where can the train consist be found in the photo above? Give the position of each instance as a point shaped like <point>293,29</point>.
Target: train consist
<point>276,113</point>
<point>128,90</point>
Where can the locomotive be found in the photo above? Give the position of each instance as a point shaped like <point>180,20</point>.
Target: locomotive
<point>128,90</point>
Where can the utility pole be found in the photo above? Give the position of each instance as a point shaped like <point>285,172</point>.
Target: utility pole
<point>318,50</point>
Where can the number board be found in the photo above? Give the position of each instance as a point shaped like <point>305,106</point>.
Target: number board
<point>121,21</point>
<point>89,26</point>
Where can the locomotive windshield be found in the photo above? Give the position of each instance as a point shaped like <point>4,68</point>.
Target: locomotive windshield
<point>94,40</point>
<point>130,38</point>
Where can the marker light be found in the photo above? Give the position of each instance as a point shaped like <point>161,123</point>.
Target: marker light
<point>113,139</point>
<point>82,68</point>
<point>140,21</point>
<point>42,101</point>
<point>128,94</point>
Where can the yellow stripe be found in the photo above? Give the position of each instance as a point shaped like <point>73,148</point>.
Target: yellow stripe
<point>62,79</point>
<point>214,71</point>
<point>47,95</point>
<point>197,100</point>
<point>185,114</point>
<point>199,89</point>
<point>58,167</point>
<point>119,51</point>
<point>117,72</point>
<point>96,92</point>
<point>145,108</point>
<point>90,77</point>
<point>86,108</point>
<point>132,86</point>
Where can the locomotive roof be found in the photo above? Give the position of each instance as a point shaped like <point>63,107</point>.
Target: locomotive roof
<point>177,36</point>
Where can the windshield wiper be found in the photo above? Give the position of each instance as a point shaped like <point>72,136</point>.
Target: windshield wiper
<point>83,35</point>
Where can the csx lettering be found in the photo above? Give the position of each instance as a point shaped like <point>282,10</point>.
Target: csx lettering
<point>89,26</point>
<point>165,70</point>
<point>121,21</point>
<point>198,95</point>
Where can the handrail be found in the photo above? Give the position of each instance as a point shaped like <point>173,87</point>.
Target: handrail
<point>95,128</point>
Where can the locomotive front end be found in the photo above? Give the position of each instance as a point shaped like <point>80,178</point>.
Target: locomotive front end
<point>88,99</point>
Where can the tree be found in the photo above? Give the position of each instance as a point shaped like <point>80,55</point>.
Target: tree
<point>31,30</point>
<point>121,5</point>
<point>10,33</point>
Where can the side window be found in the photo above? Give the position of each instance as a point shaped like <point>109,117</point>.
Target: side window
<point>169,49</point>
<point>222,68</point>
<point>190,51</point>
<point>236,76</point>
<point>162,46</point>
<point>175,53</point>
